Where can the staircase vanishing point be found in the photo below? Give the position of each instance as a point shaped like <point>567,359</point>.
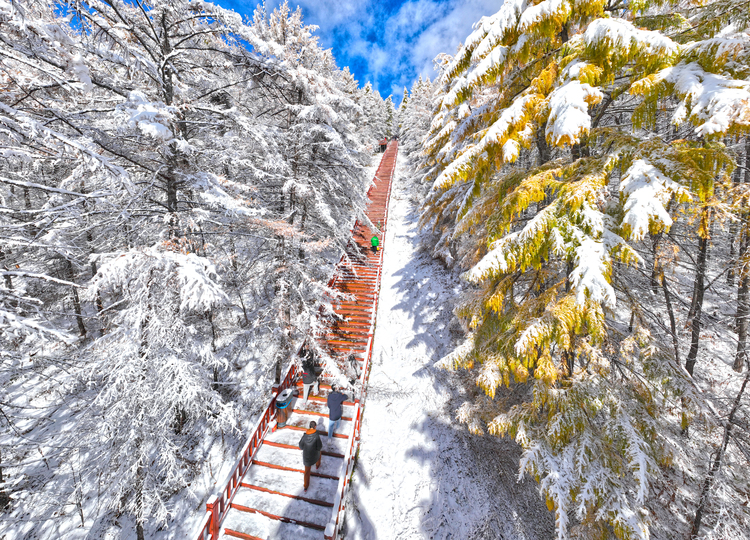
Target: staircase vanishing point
<point>263,498</point>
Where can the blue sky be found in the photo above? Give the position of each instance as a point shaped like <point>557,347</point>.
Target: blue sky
<point>388,42</point>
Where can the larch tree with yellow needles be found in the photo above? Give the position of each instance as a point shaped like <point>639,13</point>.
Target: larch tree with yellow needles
<point>572,137</point>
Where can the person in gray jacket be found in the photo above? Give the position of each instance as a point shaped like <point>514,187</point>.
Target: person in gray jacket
<point>311,446</point>
<point>335,410</point>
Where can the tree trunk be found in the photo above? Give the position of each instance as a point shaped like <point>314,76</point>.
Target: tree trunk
<point>213,329</point>
<point>655,240</point>
<point>285,349</point>
<point>78,494</point>
<point>743,285</point>
<point>716,465</point>
<point>277,372</point>
<point>4,497</point>
<point>8,280</point>
<point>140,480</point>
<point>743,300</point>
<point>541,145</point>
<point>732,253</point>
<point>244,309</point>
<point>672,322</point>
<point>180,418</point>
<point>736,180</point>
<point>696,306</point>
<point>167,81</point>
<point>76,299</point>
<point>94,269</point>
<point>570,362</point>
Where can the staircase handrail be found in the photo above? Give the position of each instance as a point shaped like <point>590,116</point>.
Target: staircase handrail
<point>218,505</point>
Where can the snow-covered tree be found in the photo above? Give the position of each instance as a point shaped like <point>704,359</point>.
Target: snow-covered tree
<point>415,115</point>
<point>324,186</point>
<point>404,100</point>
<point>171,140</point>
<point>390,118</point>
<point>151,379</point>
<point>548,172</point>
<point>373,126</point>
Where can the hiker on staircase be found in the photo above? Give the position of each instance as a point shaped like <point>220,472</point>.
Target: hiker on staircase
<point>335,401</point>
<point>311,447</point>
<point>375,241</point>
<point>309,376</point>
<point>351,368</point>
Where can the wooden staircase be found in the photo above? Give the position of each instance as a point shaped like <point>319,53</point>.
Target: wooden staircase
<point>263,498</point>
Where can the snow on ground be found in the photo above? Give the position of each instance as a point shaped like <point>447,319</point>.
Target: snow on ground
<point>420,474</point>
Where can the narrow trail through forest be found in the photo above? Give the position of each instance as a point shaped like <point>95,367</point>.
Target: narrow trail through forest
<point>263,498</point>
<point>419,474</point>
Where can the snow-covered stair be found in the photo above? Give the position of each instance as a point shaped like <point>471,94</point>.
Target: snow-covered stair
<point>271,502</point>
<point>264,497</point>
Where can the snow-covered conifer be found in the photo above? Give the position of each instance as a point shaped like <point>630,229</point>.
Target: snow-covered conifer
<point>547,174</point>
<point>152,140</point>
<point>150,379</point>
<point>415,115</point>
<point>374,115</point>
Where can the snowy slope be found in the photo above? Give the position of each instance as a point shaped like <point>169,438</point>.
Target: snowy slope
<point>420,474</point>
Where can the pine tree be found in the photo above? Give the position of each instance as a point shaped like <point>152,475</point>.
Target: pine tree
<point>150,380</point>
<point>404,101</point>
<point>390,118</point>
<point>415,116</point>
<point>374,115</point>
<point>220,155</point>
<point>547,197</point>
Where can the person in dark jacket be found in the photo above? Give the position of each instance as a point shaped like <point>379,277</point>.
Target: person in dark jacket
<point>311,446</point>
<point>335,401</point>
<point>309,377</point>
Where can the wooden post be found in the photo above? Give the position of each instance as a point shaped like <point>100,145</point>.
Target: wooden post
<point>212,507</point>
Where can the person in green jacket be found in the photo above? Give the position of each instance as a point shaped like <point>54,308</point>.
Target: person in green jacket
<point>375,243</point>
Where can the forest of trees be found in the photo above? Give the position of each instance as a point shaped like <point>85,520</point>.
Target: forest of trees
<point>176,184</point>
<point>586,166</point>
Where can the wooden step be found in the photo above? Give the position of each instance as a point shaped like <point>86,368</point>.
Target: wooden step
<point>292,469</point>
<point>278,518</point>
<point>292,447</point>
<point>238,534</point>
<point>289,495</point>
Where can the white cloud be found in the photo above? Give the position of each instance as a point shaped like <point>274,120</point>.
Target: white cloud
<point>445,34</point>
<point>329,14</point>
<point>395,47</point>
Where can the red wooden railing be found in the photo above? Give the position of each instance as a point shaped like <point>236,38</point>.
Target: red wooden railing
<point>218,505</point>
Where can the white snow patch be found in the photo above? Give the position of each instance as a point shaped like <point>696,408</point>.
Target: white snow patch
<point>715,102</point>
<point>592,264</point>
<point>622,34</point>
<point>648,190</point>
<point>543,10</point>
<point>569,117</point>
<point>151,118</point>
